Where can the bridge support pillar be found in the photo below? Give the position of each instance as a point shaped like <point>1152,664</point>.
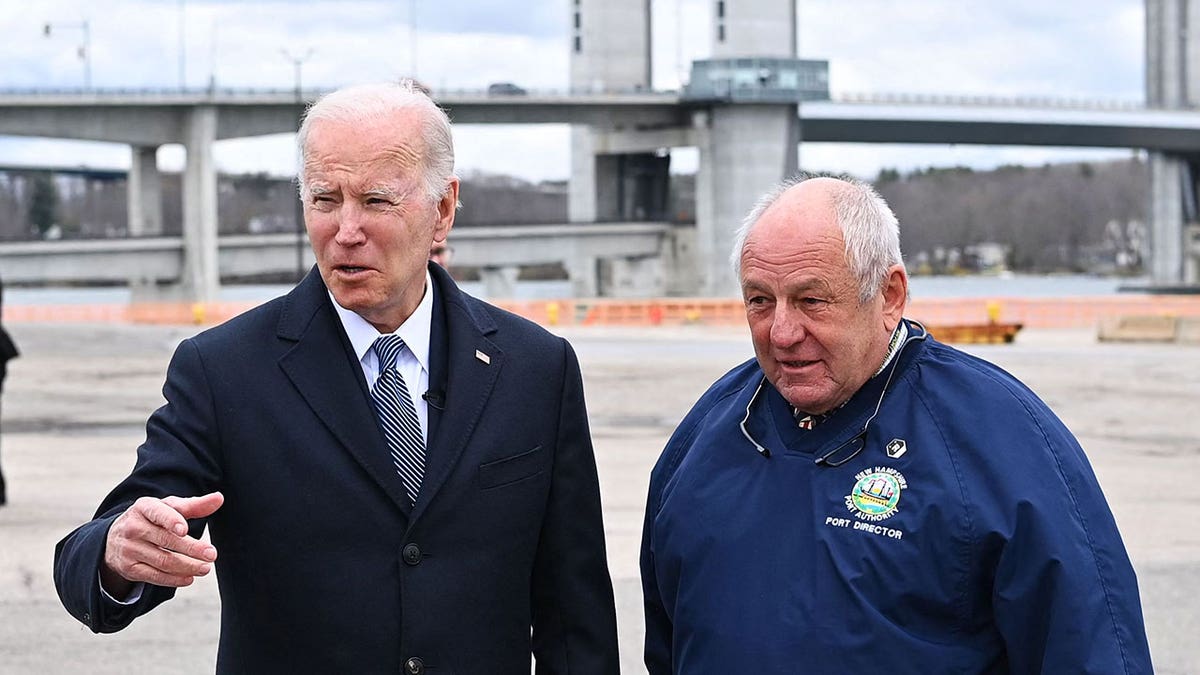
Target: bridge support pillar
<point>747,150</point>
<point>582,186</point>
<point>201,277</point>
<point>1191,253</point>
<point>632,277</point>
<point>583,272</point>
<point>1172,82</point>
<point>500,282</point>
<point>143,197</point>
<point>679,257</point>
<point>1168,186</point>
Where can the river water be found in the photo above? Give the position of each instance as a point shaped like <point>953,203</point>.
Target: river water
<point>1014,286</point>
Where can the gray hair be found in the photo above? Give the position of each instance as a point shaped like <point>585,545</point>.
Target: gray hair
<point>869,229</point>
<point>371,102</point>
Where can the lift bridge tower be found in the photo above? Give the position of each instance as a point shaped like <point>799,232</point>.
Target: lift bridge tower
<point>744,123</point>
<point>1173,82</point>
<point>611,180</point>
<point>610,53</point>
<point>749,134</point>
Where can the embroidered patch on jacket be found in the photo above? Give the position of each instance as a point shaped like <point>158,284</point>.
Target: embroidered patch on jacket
<point>876,493</point>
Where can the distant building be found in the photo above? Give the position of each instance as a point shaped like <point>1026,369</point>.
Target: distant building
<point>987,256</point>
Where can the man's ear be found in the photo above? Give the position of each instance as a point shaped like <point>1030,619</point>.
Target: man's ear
<point>895,296</point>
<point>447,206</point>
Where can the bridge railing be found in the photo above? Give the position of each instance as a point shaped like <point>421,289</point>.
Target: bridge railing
<point>1016,101</point>
<point>234,94</point>
<point>191,94</point>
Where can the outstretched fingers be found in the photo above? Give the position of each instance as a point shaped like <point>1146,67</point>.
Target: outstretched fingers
<point>196,507</point>
<point>149,543</point>
<point>162,567</point>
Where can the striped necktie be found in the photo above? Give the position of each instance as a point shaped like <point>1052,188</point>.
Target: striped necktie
<point>397,416</point>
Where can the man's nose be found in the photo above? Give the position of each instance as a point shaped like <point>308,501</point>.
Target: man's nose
<point>349,232</point>
<point>787,326</point>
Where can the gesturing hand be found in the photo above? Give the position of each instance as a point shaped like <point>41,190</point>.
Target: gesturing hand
<point>149,543</point>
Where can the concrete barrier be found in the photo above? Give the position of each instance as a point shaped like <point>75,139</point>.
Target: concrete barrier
<point>140,312</point>
<point>1138,328</point>
<point>1090,312</point>
<point>1188,330</point>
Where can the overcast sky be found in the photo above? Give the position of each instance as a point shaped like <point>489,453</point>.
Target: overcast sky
<point>1064,48</point>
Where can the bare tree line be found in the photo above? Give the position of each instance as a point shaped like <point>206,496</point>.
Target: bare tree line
<point>1057,217</point>
<point>81,204</point>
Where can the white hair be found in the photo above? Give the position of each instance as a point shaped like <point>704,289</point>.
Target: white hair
<point>869,229</point>
<point>373,102</point>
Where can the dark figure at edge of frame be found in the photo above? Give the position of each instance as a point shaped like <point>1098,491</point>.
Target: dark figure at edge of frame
<point>398,478</point>
<point>862,497</point>
<point>8,351</point>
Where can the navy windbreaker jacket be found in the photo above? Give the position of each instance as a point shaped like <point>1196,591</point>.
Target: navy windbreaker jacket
<point>980,544</point>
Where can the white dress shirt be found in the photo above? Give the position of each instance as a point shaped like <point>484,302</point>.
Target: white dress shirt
<point>412,362</point>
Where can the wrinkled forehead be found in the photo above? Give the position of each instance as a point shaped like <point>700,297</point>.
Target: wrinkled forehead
<point>394,140</point>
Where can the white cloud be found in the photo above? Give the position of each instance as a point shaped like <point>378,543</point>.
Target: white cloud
<point>1069,48</point>
<point>1066,48</point>
<point>534,152</point>
<point>50,152</point>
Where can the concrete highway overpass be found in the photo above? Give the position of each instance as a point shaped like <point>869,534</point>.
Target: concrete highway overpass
<point>621,259</point>
<point>743,148</point>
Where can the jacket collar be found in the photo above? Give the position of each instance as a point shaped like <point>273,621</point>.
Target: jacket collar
<point>774,422</point>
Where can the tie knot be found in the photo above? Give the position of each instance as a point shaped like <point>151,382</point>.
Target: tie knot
<point>386,348</point>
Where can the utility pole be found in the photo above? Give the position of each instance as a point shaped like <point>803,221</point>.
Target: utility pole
<point>298,64</point>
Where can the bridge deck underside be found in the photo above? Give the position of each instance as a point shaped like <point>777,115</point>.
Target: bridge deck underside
<point>999,133</point>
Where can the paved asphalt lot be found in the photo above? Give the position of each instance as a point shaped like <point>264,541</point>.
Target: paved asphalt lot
<point>76,401</point>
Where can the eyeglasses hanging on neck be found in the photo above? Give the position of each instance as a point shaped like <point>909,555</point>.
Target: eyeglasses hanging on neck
<point>850,448</point>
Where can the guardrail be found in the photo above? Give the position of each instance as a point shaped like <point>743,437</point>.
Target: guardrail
<point>1016,101</point>
<point>193,93</point>
<point>285,95</point>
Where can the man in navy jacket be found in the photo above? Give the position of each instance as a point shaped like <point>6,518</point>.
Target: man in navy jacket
<point>862,498</point>
<point>270,436</point>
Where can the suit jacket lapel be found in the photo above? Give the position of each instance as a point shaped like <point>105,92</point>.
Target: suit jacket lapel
<point>438,363</point>
<point>468,380</point>
<point>334,387</point>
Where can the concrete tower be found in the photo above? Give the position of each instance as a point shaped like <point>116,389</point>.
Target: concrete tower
<point>1173,81</point>
<point>754,28</point>
<point>746,145</point>
<point>610,54</point>
<point>610,45</point>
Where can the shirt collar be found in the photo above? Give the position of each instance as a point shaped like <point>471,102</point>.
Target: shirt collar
<point>414,331</point>
<point>898,337</point>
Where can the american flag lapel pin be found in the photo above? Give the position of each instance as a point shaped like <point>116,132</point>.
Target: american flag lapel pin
<point>487,360</point>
